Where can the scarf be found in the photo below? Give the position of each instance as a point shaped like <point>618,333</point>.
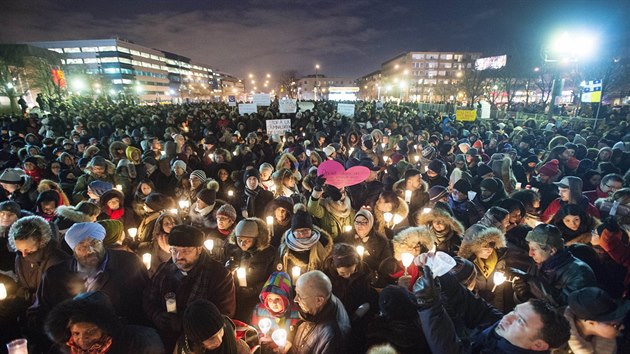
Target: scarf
<point>102,346</point>
<point>559,259</point>
<point>340,209</point>
<point>486,266</point>
<point>115,214</point>
<point>302,244</point>
<point>205,211</point>
<point>251,196</point>
<point>442,235</point>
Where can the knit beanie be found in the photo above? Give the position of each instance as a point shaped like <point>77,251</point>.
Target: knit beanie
<point>463,186</point>
<point>228,211</point>
<point>366,214</point>
<point>436,166</point>
<point>158,201</point>
<point>490,184</point>
<point>201,321</point>
<point>550,169</point>
<point>473,152</point>
<point>460,158</point>
<point>100,187</point>
<point>246,228</point>
<point>11,206</point>
<point>396,157</point>
<point>199,174</point>
<point>82,230</point>
<point>185,236</point>
<point>279,283</point>
<point>208,196</point>
<point>428,151</point>
<point>483,169</point>
<point>545,234</point>
<point>179,163</point>
<point>437,192</point>
<point>252,172</point>
<point>464,270</point>
<point>113,231</point>
<point>411,172</point>
<point>397,303</point>
<point>301,218</point>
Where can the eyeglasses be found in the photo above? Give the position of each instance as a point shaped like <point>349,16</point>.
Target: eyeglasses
<point>302,232</point>
<point>362,223</point>
<point>87,246</point>
<point>612,188</point>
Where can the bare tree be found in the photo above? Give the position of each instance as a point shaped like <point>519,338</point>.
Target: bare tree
<point>472,84</point>
<point>288,82</point>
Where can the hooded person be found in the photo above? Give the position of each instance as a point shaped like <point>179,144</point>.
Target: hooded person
<point>333,209</point>
<point>376,246</point>
<point>491,193</point>
<point>496,217</point>
<point>19,187</point>
<point>97,169</point>
<point>112,205</point>
<point>463,209</point>
<point>154,205</point>
<point>249,248</point>
<point>570,189</point>
<point>47,203</point>
<point>281,209</point>
<point>446,229</point>
<point>435,174</point>
<point>304,245</point>
<point>226,221</point>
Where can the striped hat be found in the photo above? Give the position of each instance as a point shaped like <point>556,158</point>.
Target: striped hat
<point>279,283</point>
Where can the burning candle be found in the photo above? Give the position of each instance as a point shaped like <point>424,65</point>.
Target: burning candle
<point>208,244</point>
<point>295,273</point>
<point>385,159</point>
<point>279,337</point>
<point>3,291</point>
<point>241,274</point>
<point>230,193</point>
<point>171,302</point>
<point>426,210</point>
<point>519,185</point>
<point>347,228</point>
<point>265,325</point>
<point>416,158</point>
<point>407,196</point>
<point>360,251</point>
<point>119,187</point>
<point>397,219</point>
<point>173,211</point>
<point>132,232</point>
<point>498,278</point>
<point>269,220</point>
<point>183,204</point>
<point>163,153</point>
<point>388,218</point>
<point>383,145</point>
<point>146,259</point>
<point>407,258</point>
<point>351,150</point>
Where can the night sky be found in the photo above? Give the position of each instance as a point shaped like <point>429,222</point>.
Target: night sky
<point>347,38</point>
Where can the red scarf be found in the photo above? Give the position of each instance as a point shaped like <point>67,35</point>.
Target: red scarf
<point>35,174</point>
<point>412,270</point>
<point>101,347</point>
<point>115,214</point>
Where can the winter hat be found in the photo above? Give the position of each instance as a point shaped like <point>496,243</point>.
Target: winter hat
<point>246,228</point>
<point>185,236</point>
<point>483,169</point>
<point>460,158</point>
<point>82,230</point>
<point>113,231</point>
<point>463,186</point>
<point>11,206</point>
<point>473,152</point>
<point>411,172</point>
<point>545,234</point>
<point>98,161</point>
<point>201,175</point>
<point>490,184</point>
<point>158,201</point>
<point>550,169</point>
<point>50,195</point>
<point>402,147</point>
<point>396,157</point>
<point>201,320</point>
<point>332,192</point>
<point>437,192</point>
<point>428,151</point>
<point>464,147</point>
<point>578,139</point>
<point>228,211</point>
<point>366,214</point>
<point>396,302</point>
<point>329,150</point>
<point>208,196</point>
<point>252,172</point>
<point>111,194</point>
<point>179,163</point>
<point>594,304</point>
<point>532,158</point>
<point>464,270</point>
<point>279,283</point>
<point>100,187</point>
<point>11,176</point>
<point>301,218</point>
<point>436,166</point>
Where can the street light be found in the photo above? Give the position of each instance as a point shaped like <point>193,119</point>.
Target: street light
<point>316,82</point>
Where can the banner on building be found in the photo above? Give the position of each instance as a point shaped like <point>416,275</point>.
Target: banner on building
<point>466,115</point>
<point>278,126</point>
<point>247,108</point>
<point>591,91</point>
<point>287,106</point>
<point>261,99</point>
<point>345,109</point>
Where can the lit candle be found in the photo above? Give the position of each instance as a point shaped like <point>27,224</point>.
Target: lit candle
<point>351,150</point>
<point>347,228</point>
<point>265,325</point>
<point>498,278</point>
<point>383,145</point>
<point>407,258</point>
<point>385,159</point>
<point>360,251</point>
<point>119,187</point>
<point>234,153</point>
<point>171,302</point>
<point>3,291</point>
<point>241,275</point>
<point>416,158</point>
<point>146,259</point>
<point>408,196</point>
<point>426,210</point>
<point>230,193</point>
<point>208,244</point>
<point>269,220</point>
<point>519,185</point>
<point>415,147</point>
<point>388,218</point>
<point>163,153</point>
<point>295,273</point>
<point>397,219</point>
<point>183,204</point>
<point>173,211</point>
<point>279,337</point>
<point>132,232</point>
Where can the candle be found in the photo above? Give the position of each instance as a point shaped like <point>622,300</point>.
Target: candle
<point>241,275</point>
<point>208,244</point>
<point>426,210</point>
<point>265,325</point>
<point>171,302</point>
<point>498,278</point>
<point>360,251</point>
<point>295,273</point>
<point>519,185</point>
<point>408,196</point>
<point>3,291</point>
<point>234,153</point>
<point>230,193</point>
<point>183,204</point>
<point>415,147</point>
<point>163,153</point>
<point>351,150</point>
<point>132,232</point>
<point>416,158</point>
<point>385,159</point>
<point>383,146</point>
<point>173,211</point>
<point>407,258</point>
<point>279,337</point>
<point>347,228</point>
<point>18,346</point>
<point>388,218</point>
<point>146,259</point>
<point>397,219</point>
<point>119,187</point>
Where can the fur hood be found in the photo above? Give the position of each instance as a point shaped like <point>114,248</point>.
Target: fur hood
<point>475,242</point>
<point>72,214</point>
<point>117,145</point>
<point>283,158</point>
<point>409,238</point>
<point>443,216</point>
<point>402,210</point>
<point>25,225</point>
<point>263,238</point>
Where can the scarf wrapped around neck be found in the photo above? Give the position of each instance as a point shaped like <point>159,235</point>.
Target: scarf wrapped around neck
<point>251,196</point>
<point>302,244</point>
<point>102,346</point>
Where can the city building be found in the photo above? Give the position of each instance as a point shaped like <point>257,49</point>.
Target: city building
<point>115,67</point>
<point>317,86</point>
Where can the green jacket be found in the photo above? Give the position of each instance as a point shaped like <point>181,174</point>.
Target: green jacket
<point>330,218</point>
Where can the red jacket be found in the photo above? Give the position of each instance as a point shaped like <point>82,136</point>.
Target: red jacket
<point>555,206</point>
<point>594,195</point>
<point>617,250</point>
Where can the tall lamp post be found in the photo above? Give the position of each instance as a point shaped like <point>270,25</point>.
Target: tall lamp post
<point>316,85</point>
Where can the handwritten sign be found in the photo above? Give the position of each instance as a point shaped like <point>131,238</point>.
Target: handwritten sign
<point>261,99</point>
<point>345,109</point>
<point>466,115</point>
<point>278,126</point>
<point>287,106</point>
<point>336,175</point>
<point>306,106</point>
<point>244,108</point>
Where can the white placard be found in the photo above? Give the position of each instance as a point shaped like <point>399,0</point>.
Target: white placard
<point>247,108</point>
<point>485,110</point>
<point>232,101</point>
<point>306,106</point>
<point>261,99</point>
<point>278,126</point>
<point>379,105</point>
<point>287,106</point>
<point>345,109</point>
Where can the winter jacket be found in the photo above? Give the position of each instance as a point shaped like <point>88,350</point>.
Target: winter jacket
<point>466,212</point>
<point>260,202</point>
<point>26,196</point>
<point>205,222</point>
<point>594,344</point>
<point>557,204</point>
<point>377,247</point>
<point>450,241</point>
<point>145,229</point>
<point>595,194</point>
<point>307,261</point>
<point>323,333</point>
<point>329,217</point>
<point>618,251</point>
<point>80,188</point>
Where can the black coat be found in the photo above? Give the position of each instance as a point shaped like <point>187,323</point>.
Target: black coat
<point>260,203</point>
<point>30,269</point>
<point>377,248</point>
<point>324,333</point>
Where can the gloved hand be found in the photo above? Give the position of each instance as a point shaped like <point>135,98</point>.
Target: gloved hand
<point>521,289</point>
<point>319,183</point>
<point>167,322</point>
<point>232,264</point>
<point>611,224</point>
<point>333,192</point>
<point>427,289</point>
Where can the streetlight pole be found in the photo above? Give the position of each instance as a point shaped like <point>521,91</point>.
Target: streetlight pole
<point>316,84</point>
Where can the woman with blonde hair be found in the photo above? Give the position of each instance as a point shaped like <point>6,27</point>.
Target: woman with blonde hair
<point>47,184</point>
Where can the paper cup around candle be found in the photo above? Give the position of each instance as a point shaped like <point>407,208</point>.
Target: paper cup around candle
<point>208,244</point>
<point>241,274</point>
<point>295,273</point>
<point>132,232</point>
<point>119,187</point>
<point>269,220</point>
<point>279,337</point>
<point>18,346</point>
<point>360,250</point>
<point>146,259</point>
<point>347,228</point>
<point>3,291</point>
<point>173,211</point>
<point>171,302</point>
<point>265,325</point>
<point>230,193</point>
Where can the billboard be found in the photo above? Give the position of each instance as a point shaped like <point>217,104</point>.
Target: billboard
<point>491,63</point>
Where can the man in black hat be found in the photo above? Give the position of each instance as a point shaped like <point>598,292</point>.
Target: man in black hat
<point>595,320</point>
<point>253,199</point>
<point>435,174</point>
<point>191,275</point>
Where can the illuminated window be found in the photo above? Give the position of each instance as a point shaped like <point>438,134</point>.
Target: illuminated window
<point>123,50</point>
<point>109,60</point>
<point>89,49</point>
<point>109,48</point>
<point>72,50</point>
<point>58,50</point>
<point>90,60</point>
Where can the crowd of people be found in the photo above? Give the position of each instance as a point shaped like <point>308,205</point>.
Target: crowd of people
<point>188,229</point>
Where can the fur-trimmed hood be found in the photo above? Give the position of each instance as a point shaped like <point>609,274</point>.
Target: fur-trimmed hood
<point>408,239</point>
<point>24,226</point>
<point>70,213</point>
<point>402,210</point>
<point>263,239</point>
<point>439,214</point>
<point>117,145</point>
<point>283,158</point>
<point>473,243</point>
